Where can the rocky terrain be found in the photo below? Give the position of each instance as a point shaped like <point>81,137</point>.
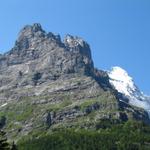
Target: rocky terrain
<point>47,83</point>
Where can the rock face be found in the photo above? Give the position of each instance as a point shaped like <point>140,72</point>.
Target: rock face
<point>52,83</point>
<point>44,54</point>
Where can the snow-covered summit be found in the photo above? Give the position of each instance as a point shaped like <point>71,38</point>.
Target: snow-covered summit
<point>120,79</point>
<point>125,85</point>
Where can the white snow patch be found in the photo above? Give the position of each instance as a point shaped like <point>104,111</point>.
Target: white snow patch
<point>3,105</point>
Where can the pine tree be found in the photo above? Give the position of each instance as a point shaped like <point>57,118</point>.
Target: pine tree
<point>14,147</point>
<point>3,141</point>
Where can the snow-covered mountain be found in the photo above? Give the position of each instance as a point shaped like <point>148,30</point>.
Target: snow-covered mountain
<point>125,85</point>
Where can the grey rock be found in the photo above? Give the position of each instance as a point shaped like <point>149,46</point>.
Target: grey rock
<point>47,79</point>
<point>91,108</point>
<point>45,53</point>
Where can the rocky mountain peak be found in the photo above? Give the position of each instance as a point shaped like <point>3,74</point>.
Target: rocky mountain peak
<point>33,37</point>
<point>74,41</point>
<point>37,51</point>
<point>48,82</point>
<point>31,29</point>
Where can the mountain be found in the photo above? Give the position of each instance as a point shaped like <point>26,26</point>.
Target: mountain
<point>125,85</point>
<point>47,84</point>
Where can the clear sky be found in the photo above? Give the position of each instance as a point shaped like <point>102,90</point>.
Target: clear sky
<point>118,31</point>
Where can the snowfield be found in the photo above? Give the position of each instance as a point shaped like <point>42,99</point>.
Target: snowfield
<point>125,85</point>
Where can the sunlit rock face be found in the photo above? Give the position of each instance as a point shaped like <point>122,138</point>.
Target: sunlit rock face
<point>49,82</point>
<point>45,53</point>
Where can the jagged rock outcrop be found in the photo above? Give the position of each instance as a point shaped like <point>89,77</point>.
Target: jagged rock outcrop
<point>49,82</point>
<point>34,46</point>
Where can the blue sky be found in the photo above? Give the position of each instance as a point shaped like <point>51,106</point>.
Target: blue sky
<point>118,31</point>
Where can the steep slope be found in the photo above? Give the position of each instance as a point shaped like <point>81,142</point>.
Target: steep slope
<point>47,84</point>
<point>124,84</point>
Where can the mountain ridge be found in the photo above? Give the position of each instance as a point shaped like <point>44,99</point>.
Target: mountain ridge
<point>47,84</point>
<point>124,84</point>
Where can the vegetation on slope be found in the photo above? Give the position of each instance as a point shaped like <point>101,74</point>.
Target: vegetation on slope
<point>4,145</point>
<point>108,136</point>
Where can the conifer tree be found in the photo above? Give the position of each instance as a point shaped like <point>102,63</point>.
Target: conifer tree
<point>3,141</point>
<point>13,147</point>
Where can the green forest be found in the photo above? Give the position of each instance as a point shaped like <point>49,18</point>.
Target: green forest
<point>131,135</point>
